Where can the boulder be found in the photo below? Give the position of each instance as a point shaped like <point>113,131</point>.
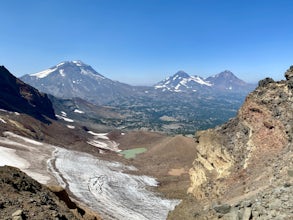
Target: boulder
<point>223,209</point>
<point>289,73</point>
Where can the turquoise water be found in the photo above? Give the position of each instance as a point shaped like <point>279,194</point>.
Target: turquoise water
<point>131,153</point>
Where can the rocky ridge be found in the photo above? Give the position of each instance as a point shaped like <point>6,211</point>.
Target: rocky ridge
<point>243,169</point>
<point>17,96</point>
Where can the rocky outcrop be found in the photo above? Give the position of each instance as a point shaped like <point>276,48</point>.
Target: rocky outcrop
<point>212,162</point>
<point>21,197</point>
<point>248,158</point>
<point>17,96</point>
<point>289,74</point>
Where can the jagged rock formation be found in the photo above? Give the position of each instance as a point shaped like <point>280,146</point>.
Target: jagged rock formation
<point>289,74</point>
<point>17,96</point>
<point>247,159</point>
<point>21,197</point>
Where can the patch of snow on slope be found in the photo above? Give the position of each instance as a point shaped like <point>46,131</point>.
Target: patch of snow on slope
<point>27,155</point>
<point>64,118</point>
<point>3,121</point>
<point>77,62</point>
<point>70,126</point>
<point>106,145</point>
<point>99,135</point>
<point>105,188</point>
<point>196,79</point>
<point>200,80</point>
<point>160,86</point>
<point>174,78</point>
<point>78,111</point>
<point>60,64</point>
<point>177,87</point>
<point>62,72</point>
<point>21,139</point>
<point>9,157</point>
<point>44,73</point>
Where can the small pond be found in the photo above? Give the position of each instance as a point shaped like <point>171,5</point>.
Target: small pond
<point>131,153</point>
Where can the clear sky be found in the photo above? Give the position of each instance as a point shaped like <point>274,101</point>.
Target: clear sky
<point>143,41</point>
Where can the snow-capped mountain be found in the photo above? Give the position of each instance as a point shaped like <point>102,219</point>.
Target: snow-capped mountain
<point>76,79</point>
<point>182,82</point>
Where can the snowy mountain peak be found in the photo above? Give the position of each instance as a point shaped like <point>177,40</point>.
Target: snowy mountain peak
<point>74,62</point>
<point>68,68</point>
<point>79,63</point>
<point>76,79</point>
<point>182,82</point>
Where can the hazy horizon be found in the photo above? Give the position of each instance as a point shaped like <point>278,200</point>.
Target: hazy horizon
<point>143,42</point>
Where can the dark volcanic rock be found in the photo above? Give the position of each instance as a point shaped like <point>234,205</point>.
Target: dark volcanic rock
<point>223,209</point>
<point>265,81</point>
<point>289,73</point>
<point>17,96</point>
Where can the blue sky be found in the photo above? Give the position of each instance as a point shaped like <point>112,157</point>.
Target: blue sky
<point>143,41</point>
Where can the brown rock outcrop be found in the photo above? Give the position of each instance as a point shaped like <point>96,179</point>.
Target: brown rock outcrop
<point>21,197</point>
<point>250,154</point>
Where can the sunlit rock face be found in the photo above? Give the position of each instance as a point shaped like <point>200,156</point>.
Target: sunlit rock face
<point>242,155</point>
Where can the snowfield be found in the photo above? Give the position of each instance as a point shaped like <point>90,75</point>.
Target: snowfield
<point>44,73</point>
<point>102,185</point>
<point>26,154</point>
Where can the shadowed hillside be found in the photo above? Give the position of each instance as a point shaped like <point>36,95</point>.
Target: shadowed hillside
<point>17,96</point>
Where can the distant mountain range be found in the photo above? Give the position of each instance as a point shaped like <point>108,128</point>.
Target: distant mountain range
<point>179,104</point>
<point>182,82</point>
<point>72,79</point>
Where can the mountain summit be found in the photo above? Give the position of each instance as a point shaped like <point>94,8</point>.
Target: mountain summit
<point>226,80</point>
<point>76,79</point>
<point>71,67</point>
<point>182,82</point>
